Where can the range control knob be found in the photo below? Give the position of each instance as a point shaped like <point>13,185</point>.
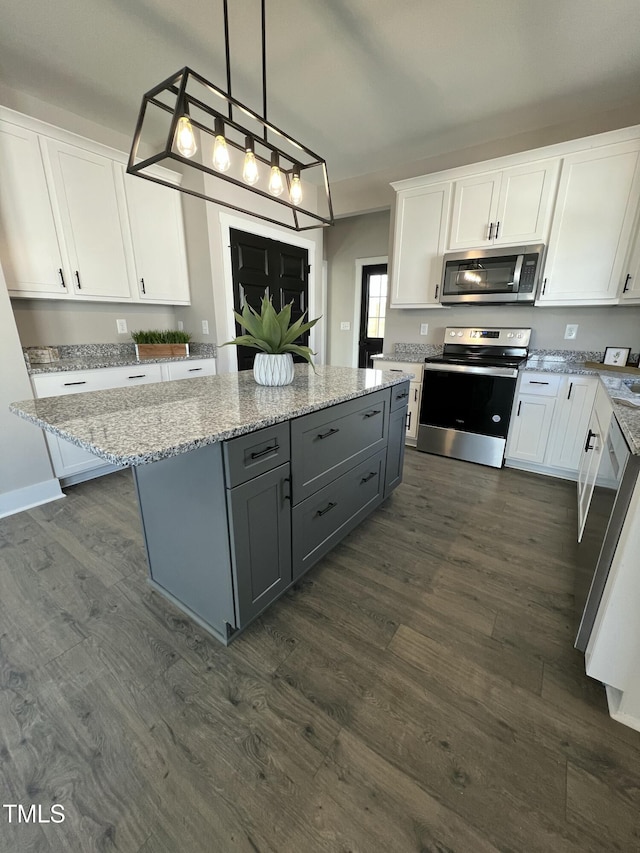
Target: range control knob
<point>460,334</point>
<point>509,334</point>
<point>452,334</point>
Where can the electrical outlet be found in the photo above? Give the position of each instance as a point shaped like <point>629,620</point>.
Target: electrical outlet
<point>424,328</point>
<point>345,326</point>
<point>571,332</point>
<point>205,327</point>
<point>180,326</point>
<point>121,326</point>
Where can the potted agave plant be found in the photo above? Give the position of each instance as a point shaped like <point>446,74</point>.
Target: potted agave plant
<point>273,334</point>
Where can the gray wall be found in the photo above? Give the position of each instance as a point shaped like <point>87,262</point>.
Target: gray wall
<point>368,236</point>
<point>348,240</point>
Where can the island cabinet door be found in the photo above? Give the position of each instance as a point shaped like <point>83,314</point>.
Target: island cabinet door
<point>260,533</point>
<point>395,449</point>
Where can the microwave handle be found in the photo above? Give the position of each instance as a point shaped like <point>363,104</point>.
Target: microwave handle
<point>516,273</point>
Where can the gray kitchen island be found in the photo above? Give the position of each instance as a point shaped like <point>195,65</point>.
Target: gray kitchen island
<point>241,487</point>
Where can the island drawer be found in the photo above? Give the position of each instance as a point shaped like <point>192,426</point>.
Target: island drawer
<point>326,444</point>
<point>253,454</point>
<point>322,520</point>
<point>400,396</point>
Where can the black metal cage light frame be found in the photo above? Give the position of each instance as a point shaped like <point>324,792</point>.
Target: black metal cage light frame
<point>185,99</point>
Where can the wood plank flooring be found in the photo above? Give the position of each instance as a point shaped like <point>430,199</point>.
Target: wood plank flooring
<point>417,691</point>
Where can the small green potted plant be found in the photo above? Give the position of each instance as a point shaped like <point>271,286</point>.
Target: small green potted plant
<point>273,334</point>
<point>156,343</point>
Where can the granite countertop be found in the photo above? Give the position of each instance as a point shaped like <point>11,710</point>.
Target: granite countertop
<point>133,426</point>
<point>98,356</point>
<point>98,362</point>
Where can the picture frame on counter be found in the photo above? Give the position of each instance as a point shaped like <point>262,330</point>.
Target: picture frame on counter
<point>617,356</point>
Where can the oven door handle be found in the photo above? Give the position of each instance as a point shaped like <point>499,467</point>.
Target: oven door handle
<point>508,372</point>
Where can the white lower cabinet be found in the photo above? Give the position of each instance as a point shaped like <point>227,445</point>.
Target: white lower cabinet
<point>415,393</point>
<point>530,428</point>
<point>593,447</point>
<point>73,464</point>
<point>549,423</point>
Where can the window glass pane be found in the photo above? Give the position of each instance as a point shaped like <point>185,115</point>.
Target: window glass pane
<point>375,285</point>
<point>381,328</point>
<point>372,329</point>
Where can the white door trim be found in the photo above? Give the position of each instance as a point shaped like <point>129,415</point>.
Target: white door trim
<point>360,263</point>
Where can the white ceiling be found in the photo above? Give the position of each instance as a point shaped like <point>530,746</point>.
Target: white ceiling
<point>371,85</point>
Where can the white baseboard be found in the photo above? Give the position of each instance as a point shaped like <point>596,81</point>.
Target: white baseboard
<point>31,496</point>
<point>535,468</point>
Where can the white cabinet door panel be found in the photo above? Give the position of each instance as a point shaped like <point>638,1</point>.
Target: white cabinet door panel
<point>530,428</point>
<point>524,207</point>
<point>597,201</point>
<point>571,422</point>
<point>475,205</point>
<point>155,216</point>
<point>29,248</point>
<point>86,196</point>
<point>418,248</point>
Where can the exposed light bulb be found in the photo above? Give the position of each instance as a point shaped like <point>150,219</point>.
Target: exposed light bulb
<point>250,170</point>
<point>185,137</point>
<point>295,192</point>
<point>276,186</point>
<point>221,159</point>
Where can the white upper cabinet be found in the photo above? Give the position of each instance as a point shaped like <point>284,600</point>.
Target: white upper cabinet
<point>630,293</point>
<point>475,206</point>
<point>68,229</point>
<point>29,249</point>
<point>88,209</point>
<point>155,215</point>
<point>594,214</point>
<point>509,207</point>
<point>419,243</point>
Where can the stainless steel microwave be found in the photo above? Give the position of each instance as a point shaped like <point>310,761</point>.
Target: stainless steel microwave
<point>497,275</point>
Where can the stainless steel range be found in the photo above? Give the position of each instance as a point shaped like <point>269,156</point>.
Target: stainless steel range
<point>468,391</point>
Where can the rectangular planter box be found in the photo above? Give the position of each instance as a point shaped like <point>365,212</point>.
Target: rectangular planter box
<point>161,350</point>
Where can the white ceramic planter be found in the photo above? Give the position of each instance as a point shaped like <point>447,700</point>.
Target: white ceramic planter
<point>271,369</point>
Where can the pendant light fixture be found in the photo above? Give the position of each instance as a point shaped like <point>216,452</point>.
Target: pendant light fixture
<point>254,158</point>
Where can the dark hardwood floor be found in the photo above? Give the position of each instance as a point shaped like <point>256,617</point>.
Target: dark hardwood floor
<point>418,691</point>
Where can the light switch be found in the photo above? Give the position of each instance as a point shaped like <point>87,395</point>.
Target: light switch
<point>345,326</point>
<point>205,327</point>
<point>121,326</point>
<point>424,328</point>
<point>180,326</point>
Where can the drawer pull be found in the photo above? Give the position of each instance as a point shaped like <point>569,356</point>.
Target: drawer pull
<point>570,390</point>
<point>369,476</point>
<point>61,274</point>
<point>144,290</point>
<point>84,382</point>
<point>322,435</point>
<point>624,289</point>
<point>194,369</point>
<point>537,382</point>
<point>138,376</point>
<point>588,446</point>
<point>402,396</point>
<point>260,453</point>
<point>395,370</point>
<point>519,407</point>
<point>78,280</point>
<point>408,421</point>
<point>331,505</point>
<point>373,413</point>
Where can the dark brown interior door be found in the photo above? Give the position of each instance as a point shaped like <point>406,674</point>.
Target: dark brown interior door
<point>372,312</point>
<point>263,267</point>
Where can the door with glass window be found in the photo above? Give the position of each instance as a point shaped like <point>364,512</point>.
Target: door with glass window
<point>372,312</point>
